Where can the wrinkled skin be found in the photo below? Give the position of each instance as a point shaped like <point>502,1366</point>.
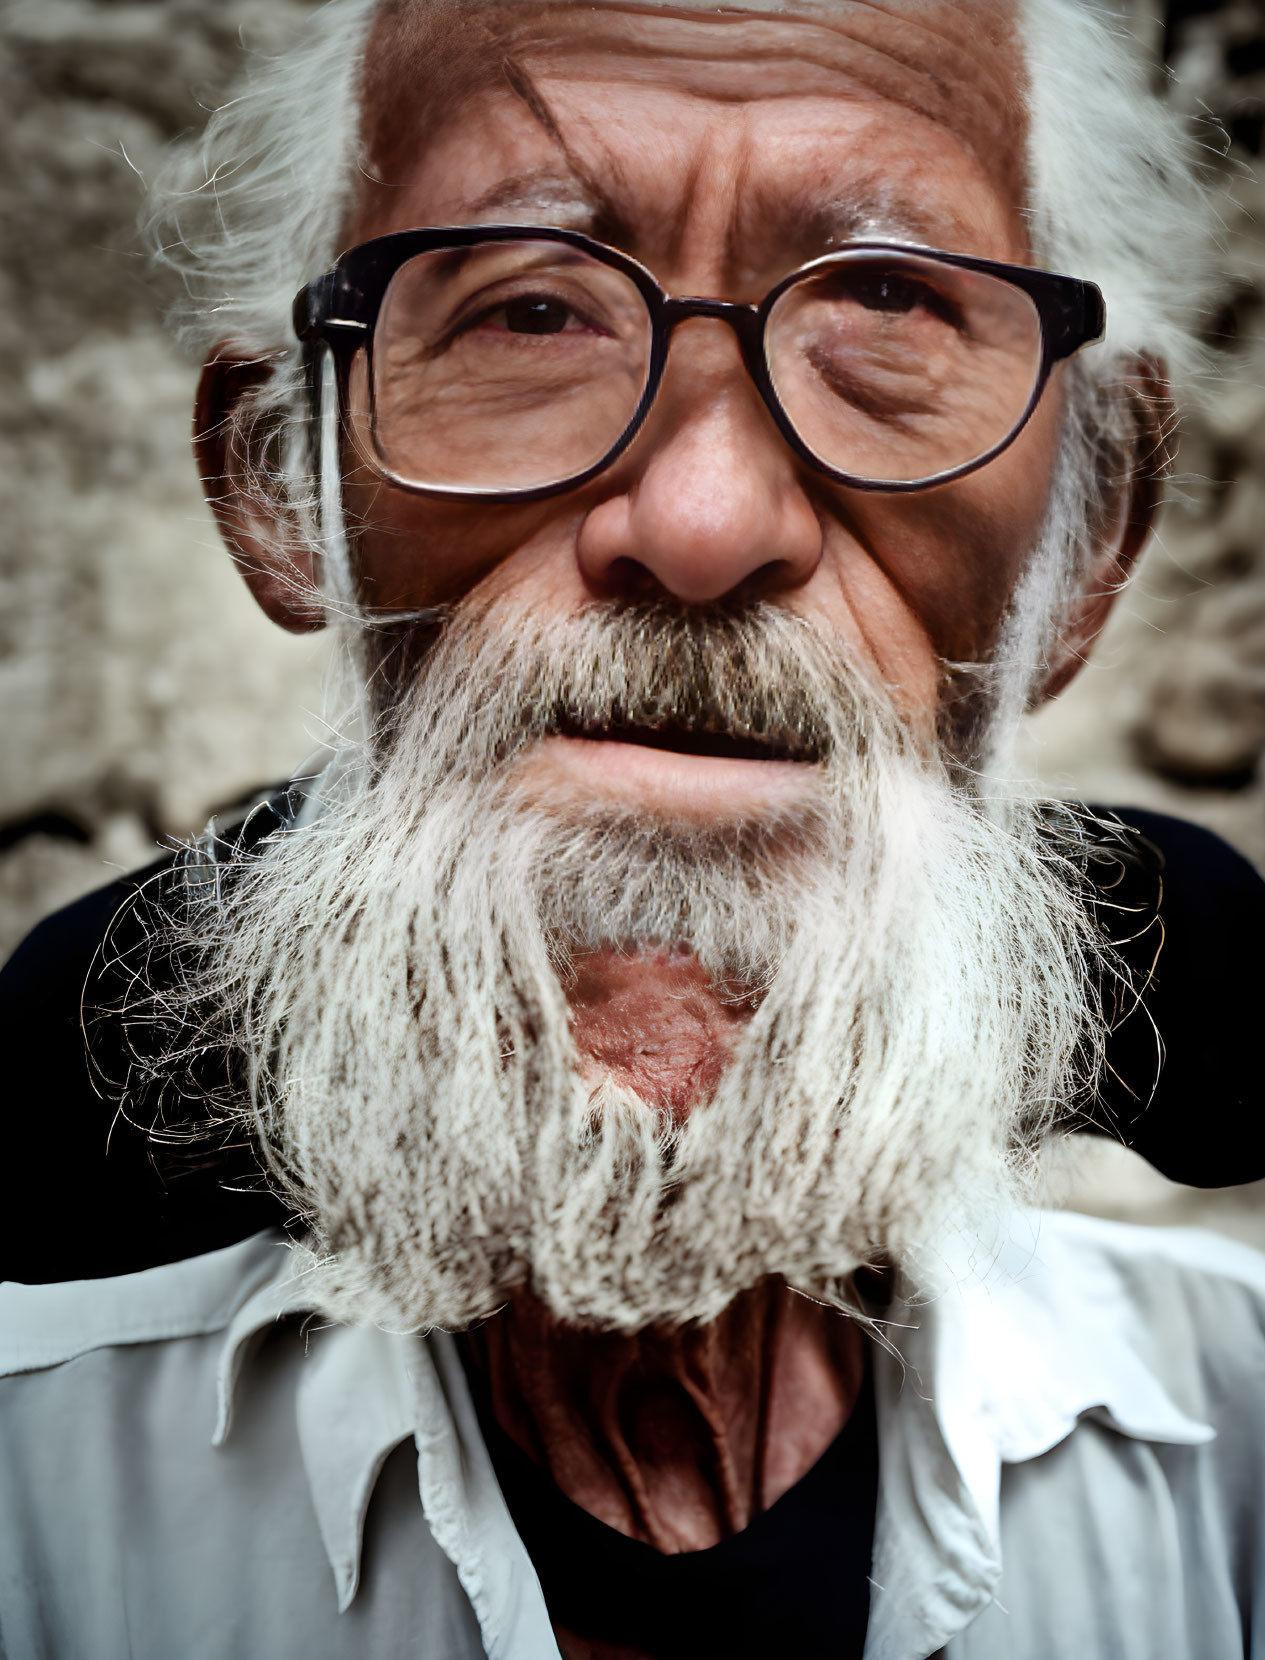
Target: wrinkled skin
<point>722,151</point>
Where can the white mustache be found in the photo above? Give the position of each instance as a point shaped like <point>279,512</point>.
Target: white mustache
<point>737,673</point>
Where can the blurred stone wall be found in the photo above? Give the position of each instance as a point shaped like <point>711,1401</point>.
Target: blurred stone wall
<point>1170,711</point>
<point>139,687</point>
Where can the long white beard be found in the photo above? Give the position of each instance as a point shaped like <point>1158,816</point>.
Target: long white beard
<point>395,974</point>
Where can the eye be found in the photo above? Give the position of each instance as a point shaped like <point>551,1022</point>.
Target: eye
<point>889,291</point>
<point>534,314</point>
<point>897,293</point>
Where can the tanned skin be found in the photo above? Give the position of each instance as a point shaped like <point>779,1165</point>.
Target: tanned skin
<point>722,150</point>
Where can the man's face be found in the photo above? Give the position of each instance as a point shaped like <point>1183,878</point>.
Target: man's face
<point>634,1026</point>
<point>722,151</point>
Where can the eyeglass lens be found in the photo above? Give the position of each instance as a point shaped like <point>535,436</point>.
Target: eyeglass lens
<point>514,365</point>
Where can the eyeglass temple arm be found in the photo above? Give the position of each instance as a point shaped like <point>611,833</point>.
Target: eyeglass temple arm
<point>1080,320</point>
<point>314,305</point>
<point>314,326</point>
<point>317,329</point>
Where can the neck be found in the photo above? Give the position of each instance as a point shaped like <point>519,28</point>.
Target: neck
<point>677,1438</point>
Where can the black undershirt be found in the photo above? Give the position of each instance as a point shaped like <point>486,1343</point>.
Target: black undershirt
<point>794,1582</point>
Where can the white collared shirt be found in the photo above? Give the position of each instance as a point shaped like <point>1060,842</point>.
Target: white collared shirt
<point>1072,1448</point>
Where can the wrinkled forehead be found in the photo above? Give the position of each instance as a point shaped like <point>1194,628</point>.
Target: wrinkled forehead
<point>939,78</point>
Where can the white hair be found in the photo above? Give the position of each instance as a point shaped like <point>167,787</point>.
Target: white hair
<point>393,977</point>
<point>251,209</point>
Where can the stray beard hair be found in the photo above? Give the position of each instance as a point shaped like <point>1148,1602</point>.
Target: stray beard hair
<point>391,979</point>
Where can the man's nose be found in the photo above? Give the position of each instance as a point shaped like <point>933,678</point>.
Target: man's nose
<point>709,502</point>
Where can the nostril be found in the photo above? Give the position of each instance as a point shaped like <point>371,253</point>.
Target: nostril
<point>773,577</point>
<point>629,579</point>
<point>626,578</point>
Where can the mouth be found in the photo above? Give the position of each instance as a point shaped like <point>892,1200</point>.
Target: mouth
<point>677,738</point>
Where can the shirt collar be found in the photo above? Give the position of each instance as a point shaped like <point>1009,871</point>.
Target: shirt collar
<point>361,1392</point>
<point>1052,1332</point>
<point>1020,1342</point>
<point>353,1407</point>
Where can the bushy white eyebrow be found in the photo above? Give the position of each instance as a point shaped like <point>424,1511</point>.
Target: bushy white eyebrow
<point>547,197</point>
<point>254,207</point>
<point>865,210</point>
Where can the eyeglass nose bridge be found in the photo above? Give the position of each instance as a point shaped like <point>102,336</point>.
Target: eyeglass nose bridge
<point>747,322</point>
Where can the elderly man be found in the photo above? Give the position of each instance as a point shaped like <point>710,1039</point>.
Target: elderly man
<point>700,427</point>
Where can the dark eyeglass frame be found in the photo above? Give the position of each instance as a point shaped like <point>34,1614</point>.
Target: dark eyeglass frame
<point>340,310</point>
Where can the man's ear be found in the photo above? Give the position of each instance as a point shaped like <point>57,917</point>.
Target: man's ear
<point>252,517</point>
<point>1127,518</point>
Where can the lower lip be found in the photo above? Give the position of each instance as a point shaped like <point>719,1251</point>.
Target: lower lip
<point>580,772</point>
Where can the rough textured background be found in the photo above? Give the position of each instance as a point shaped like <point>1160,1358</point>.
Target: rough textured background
<point>1170,711</point>
<point>139,685</point>
<point>140,689</point>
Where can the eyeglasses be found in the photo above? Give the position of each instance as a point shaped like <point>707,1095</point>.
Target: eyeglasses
<point>495,362</point>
